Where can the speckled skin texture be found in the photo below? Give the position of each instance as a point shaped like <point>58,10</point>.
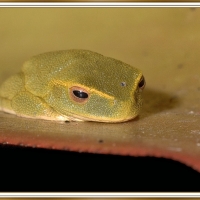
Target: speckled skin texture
<point>43,88</point>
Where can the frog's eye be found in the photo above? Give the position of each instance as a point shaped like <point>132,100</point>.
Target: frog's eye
<point>141,83</point>
<point>79,94</point>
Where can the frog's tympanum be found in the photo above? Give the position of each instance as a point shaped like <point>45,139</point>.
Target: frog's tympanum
<point>74,85</point>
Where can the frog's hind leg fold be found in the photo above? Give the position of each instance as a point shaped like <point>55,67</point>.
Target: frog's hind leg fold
<point>15,99</point>
<point>9,89</point>
<point>25,104</point>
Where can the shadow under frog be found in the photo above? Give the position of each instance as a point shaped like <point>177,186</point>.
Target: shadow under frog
<point>155,101</point>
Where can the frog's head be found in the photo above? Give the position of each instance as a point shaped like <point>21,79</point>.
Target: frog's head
<point>85,85</point>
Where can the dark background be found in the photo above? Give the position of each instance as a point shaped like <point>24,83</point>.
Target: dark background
<point>29,169</point>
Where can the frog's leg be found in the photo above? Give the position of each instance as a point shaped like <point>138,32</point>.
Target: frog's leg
<point>26,104</point>
<point>5,105</point>
<point>15,99</point>
<point>9,89</point>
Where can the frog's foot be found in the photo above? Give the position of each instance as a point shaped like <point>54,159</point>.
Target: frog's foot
<point>5,105</point>
<point>25,104</point>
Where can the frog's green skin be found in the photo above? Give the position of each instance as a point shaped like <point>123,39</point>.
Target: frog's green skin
<point>42,88</point>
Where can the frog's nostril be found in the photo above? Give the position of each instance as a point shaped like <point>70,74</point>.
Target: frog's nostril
<point>123,84</point>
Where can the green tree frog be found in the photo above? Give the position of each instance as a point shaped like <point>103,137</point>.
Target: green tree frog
<point>74,85</point>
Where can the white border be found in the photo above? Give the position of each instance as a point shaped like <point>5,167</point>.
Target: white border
<point>100,4</point>
<point>99,195</point>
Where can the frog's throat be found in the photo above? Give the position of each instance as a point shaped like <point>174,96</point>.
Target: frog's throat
<point>73,117</point>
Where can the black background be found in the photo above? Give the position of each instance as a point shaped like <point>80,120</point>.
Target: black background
<point>26,169</point>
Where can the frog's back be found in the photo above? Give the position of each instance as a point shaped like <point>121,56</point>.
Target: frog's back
<point>40,70</point>
<point>82,66</point>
